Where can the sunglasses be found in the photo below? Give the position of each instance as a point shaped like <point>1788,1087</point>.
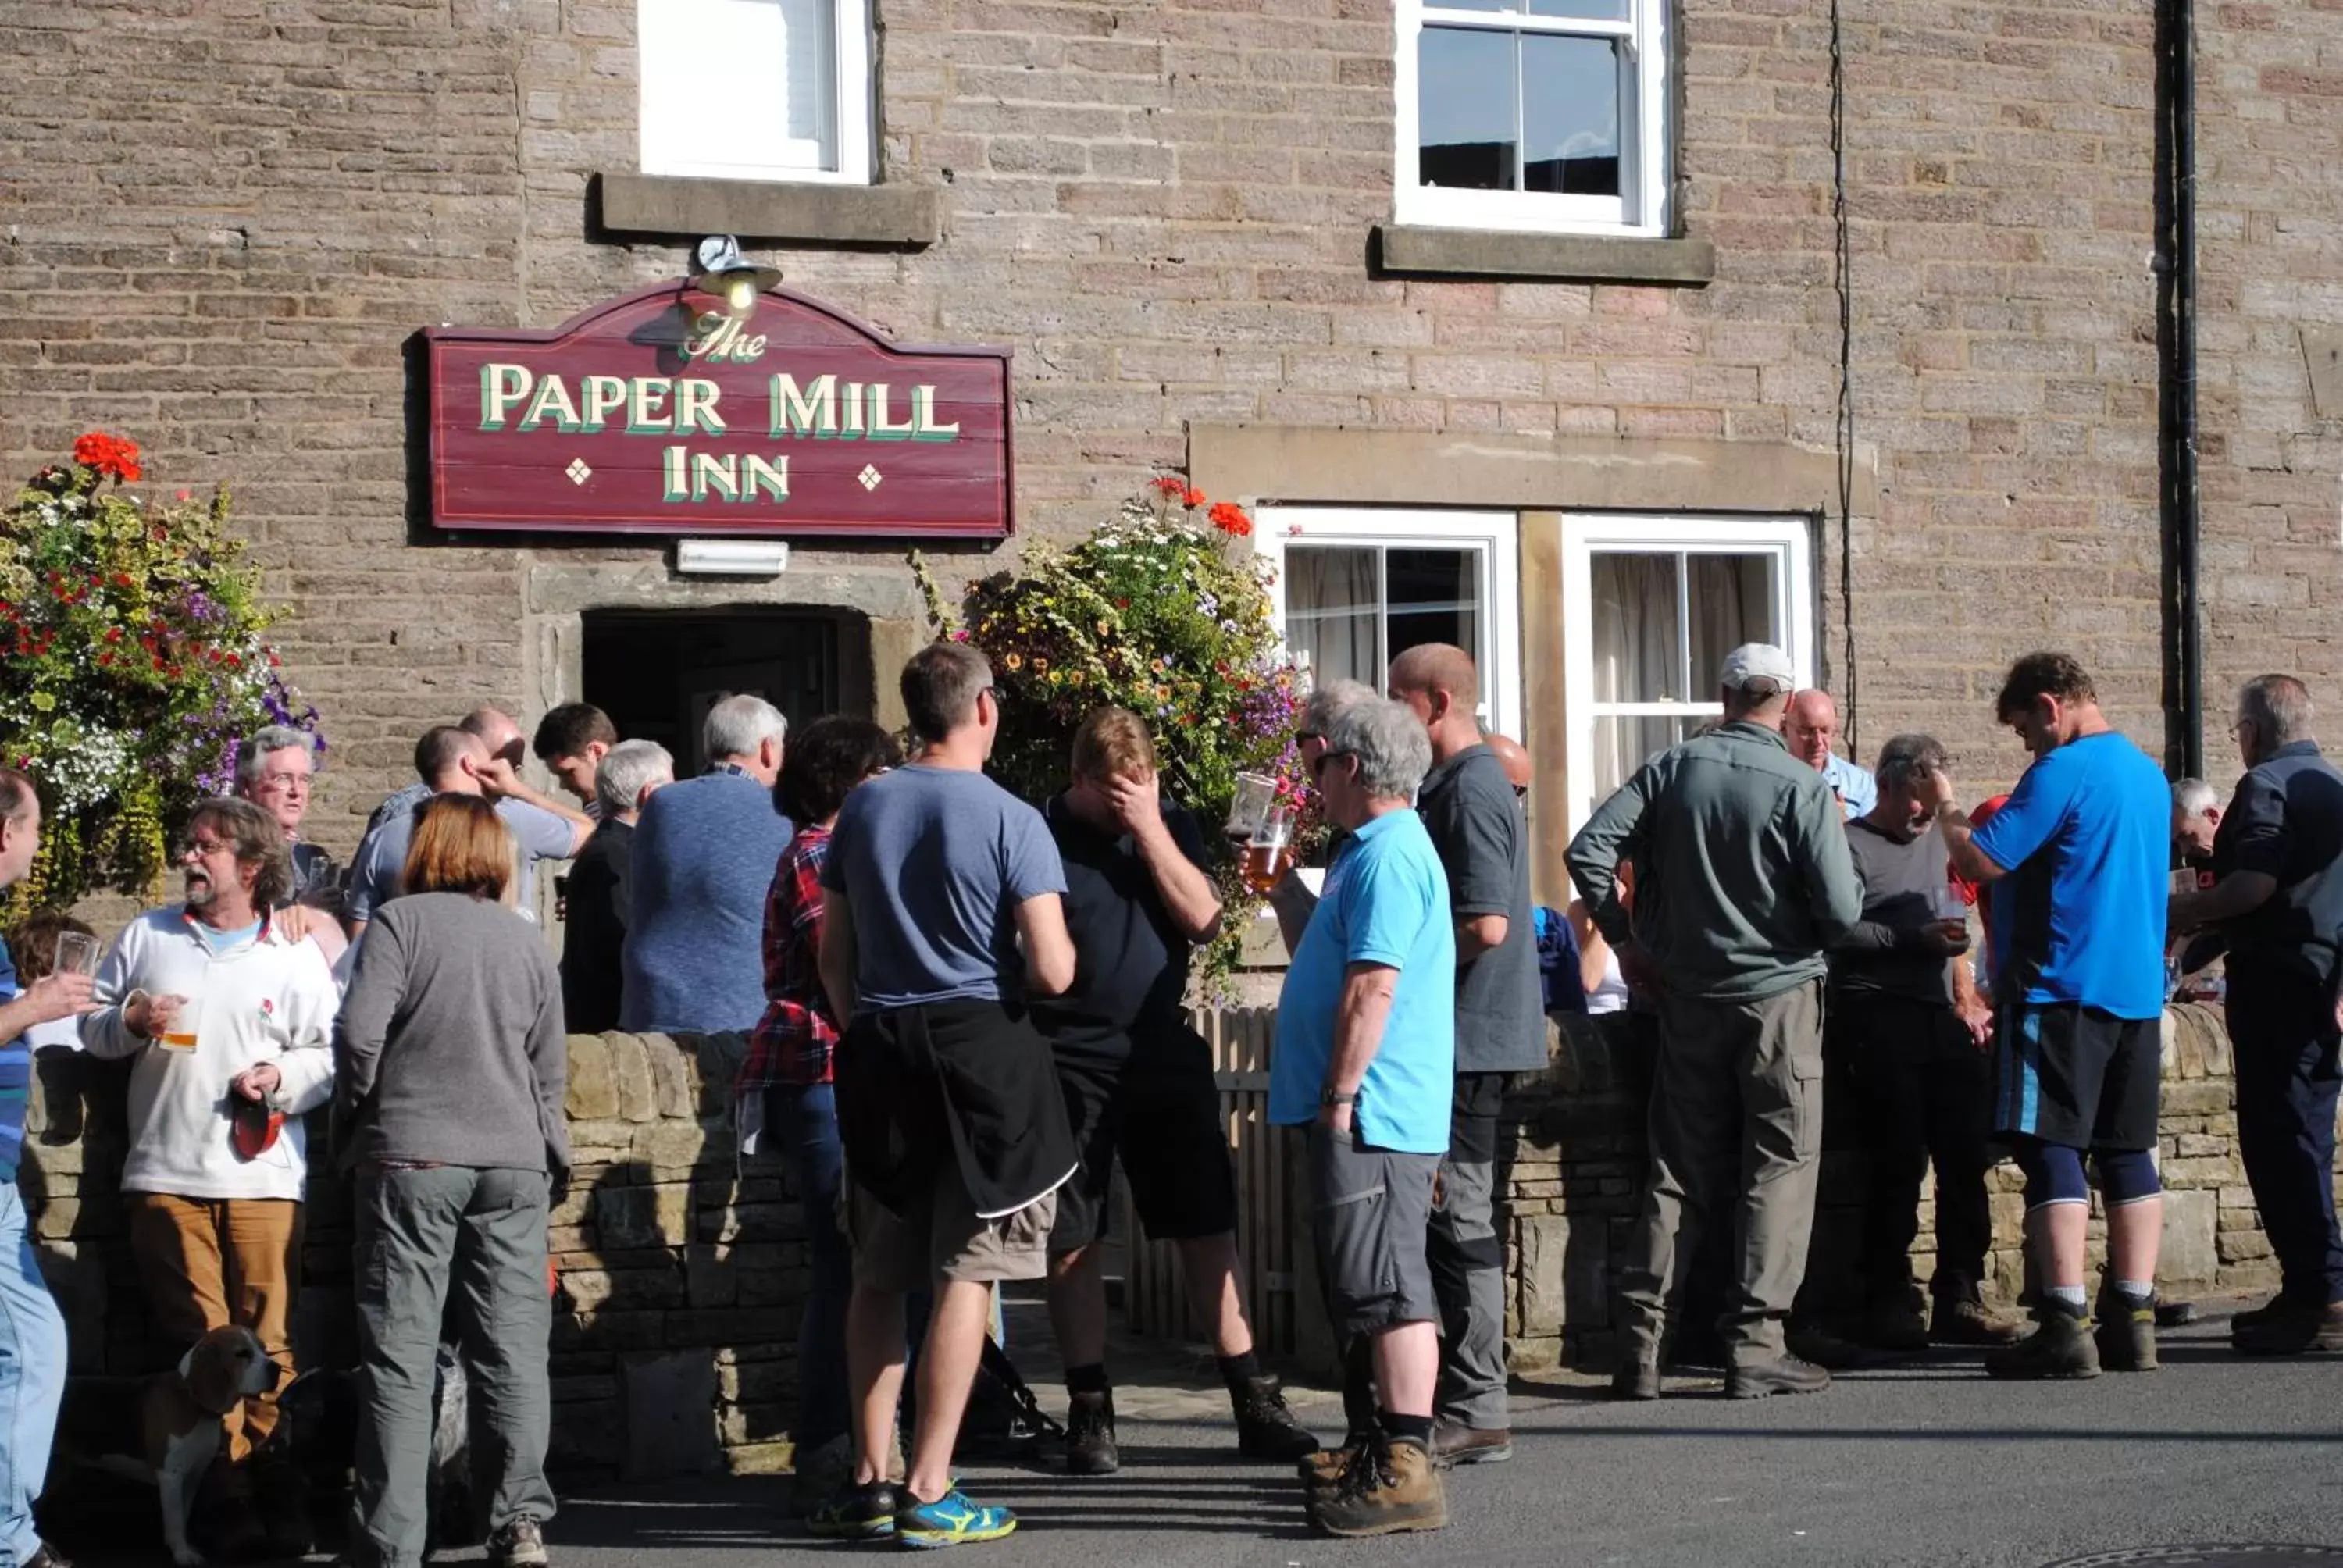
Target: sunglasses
<point>1318,766</point>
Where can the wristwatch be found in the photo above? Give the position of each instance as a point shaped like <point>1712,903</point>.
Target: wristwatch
<point>1329,1098</point>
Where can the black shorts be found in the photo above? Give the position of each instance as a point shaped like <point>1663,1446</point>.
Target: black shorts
<point>1159,1110</point>
<point>2077,1076</point>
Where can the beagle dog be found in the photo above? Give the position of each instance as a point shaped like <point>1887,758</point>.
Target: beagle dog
<point>183,1417</point>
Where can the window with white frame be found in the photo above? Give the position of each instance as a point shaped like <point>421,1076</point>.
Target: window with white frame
<point>1355,587</point>
<point>1533,115</point>
<point>1650,607</point>
<point>756,89</point>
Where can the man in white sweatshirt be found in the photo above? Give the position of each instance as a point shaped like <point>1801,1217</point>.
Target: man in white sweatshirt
<point>226,1019</point>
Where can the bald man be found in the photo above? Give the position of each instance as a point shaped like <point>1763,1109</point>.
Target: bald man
<point>1514,757</point>
<point>1811,731</point>
<point>1468,804</point>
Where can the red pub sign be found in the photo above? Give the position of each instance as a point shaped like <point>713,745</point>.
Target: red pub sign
<point>667,412</point>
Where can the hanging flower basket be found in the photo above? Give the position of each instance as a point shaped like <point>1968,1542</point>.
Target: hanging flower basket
<point>131,662</point>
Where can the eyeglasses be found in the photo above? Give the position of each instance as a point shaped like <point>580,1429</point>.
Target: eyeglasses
<point>287,782</point>
<point>204,846</point>
<point>1301,737</point>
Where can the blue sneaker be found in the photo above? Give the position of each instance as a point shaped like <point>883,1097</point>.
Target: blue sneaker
<point>950,1520</point>
<point>857,1513</point>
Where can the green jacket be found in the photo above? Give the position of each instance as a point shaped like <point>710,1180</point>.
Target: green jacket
<point>1742,876</point>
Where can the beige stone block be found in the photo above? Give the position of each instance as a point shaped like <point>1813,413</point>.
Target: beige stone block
<point>674,1073</point>
<point>593,1096</point>
<point>657,1216</point>
<point>630,1070</point>
<point>669,1148</point>
<point>2190,1251</point>
<point>1543,1292</point>
<point>774,1458</point>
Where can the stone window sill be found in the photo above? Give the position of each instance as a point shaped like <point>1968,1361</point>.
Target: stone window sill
<point>910,216</point>
<point>1411,249</point>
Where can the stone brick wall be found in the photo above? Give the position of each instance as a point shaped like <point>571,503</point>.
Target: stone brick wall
<point>674,1341</point>
<point>221,240</point>
<point>1578,1162</point>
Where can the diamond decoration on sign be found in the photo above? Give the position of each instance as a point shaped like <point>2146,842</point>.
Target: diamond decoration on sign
<point>869,477</point>
<point>577,471</point>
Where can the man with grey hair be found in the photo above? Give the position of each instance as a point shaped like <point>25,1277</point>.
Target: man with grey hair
<point>1907,1019</point>
<point>702,856</point>
<point>275,768</point>
<point>2196,822</point>
<point>1743,879</point>
<point>2278,896</point>
<point>1365,1058</point>
<point>1296,893</point>
<point>593,945</point>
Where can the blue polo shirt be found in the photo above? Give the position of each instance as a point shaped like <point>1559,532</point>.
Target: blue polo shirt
<point>1852,783</point>
<point>1385,902</point>
<point>15,1079</point>
<point>2085,838</point>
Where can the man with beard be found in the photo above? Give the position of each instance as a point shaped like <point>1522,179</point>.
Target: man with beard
<point>227,1023</point>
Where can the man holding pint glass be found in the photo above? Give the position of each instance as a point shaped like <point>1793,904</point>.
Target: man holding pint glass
<point>1138,1083</point>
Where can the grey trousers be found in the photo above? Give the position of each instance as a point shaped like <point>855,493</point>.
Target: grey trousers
<point>1737,1123</point>
<point>1468,1261</point>
<point>419,1234</point>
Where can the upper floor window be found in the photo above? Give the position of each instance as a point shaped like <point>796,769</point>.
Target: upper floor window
<point>1537,114</point>
<point>756,89</point>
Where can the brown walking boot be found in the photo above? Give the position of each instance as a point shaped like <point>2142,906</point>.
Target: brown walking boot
<point>1390,1487</point>
<point>1963,1320</point>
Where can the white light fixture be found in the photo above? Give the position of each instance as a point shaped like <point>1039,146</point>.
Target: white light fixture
<point>733,557</point>
<point>731,276</point>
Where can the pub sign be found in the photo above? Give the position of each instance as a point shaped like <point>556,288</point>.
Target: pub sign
<point>667,411</point>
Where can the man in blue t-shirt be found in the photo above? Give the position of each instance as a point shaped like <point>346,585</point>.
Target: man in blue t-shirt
<point>32,1331</point>
<point>1366,1058</point>
<point>949,1109</point>
<point>2079,853</point>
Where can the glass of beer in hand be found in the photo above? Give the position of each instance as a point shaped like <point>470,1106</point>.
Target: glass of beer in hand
<point>178,1030</point>
<point>1269,850</point>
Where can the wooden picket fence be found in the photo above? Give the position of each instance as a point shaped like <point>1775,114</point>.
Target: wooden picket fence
<point>1270,1243</point>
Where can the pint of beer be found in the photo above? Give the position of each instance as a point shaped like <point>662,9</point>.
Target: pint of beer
<point>1269,850</point>
<point>179,1033</point>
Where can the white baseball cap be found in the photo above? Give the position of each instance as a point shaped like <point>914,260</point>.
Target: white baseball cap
<point>1756,662</point>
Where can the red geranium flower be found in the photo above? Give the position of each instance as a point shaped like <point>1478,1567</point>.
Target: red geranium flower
<point>1171,485</point>
<point>1191,498</point>
<point>1231,519</point>
<point>111,456</point>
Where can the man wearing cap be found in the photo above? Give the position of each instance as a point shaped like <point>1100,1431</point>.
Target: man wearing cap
<point>1744,881</point>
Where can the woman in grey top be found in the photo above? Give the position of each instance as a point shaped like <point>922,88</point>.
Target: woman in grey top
<point>452,1069</point>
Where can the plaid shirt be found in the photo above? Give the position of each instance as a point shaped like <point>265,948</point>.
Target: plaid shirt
<point>792,1042</point>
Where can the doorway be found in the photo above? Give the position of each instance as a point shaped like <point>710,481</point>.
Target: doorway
<point>657,672</point>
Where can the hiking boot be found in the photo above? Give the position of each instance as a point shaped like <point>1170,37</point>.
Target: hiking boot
<point>2059,1346</point>
<point>1963,1320</point>
<point>519,1543</point>
<point>1391,1486</point>
<point>1089,1436</point>
<point>854,1512</point>
<point>1322,1470</point>
<point>1896,1326</point>
<point>1455,1443</point>
<point>1265,1425</point>
<point>1827,1351</point>
<point>2276,1306</point>
<point>1635,1380</point>
<point>1783,1374</point>
<point>952,1520</point>
<point>2126,1336</point>
<point>2296,1328</point>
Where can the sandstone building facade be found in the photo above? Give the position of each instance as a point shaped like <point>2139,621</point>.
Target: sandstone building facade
<point>1519,324</point>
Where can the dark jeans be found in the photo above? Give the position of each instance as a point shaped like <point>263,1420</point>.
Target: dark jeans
<point>1926,1094</point>
<point>803,1126</point>
<point>2282,1025</point>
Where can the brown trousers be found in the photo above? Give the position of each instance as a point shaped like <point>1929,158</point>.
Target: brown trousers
<point>209,1262</point>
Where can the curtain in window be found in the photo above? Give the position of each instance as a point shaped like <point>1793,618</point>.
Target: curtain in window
<point>1731,602</point>
<point>1333,611</point>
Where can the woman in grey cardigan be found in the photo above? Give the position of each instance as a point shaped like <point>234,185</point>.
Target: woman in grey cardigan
<point>451,1072</point>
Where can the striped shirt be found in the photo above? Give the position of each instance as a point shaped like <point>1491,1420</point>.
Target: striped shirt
<point>16,1080</point>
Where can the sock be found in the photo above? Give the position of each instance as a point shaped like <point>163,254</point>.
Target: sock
<point>1090,1379</point>
<point>1238,1371</point>
<point>1416,1428</point>
<point>2071,1297</point>
<point>2136,1294</point>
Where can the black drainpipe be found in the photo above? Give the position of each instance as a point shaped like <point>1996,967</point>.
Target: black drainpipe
<point>2175,335</point>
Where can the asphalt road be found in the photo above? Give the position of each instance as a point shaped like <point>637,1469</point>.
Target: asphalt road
<point>1929,1464</point>
<point>1925,1464</point>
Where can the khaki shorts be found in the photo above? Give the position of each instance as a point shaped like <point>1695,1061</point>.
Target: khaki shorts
<point>904,1253</point>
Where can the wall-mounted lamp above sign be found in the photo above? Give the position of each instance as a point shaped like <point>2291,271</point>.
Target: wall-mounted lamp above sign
<point>733,557</point>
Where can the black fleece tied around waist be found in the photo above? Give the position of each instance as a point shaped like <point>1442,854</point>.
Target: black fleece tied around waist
<point>969,1080</point>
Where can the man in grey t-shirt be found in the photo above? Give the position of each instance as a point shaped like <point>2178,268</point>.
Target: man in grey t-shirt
<point>1908,1021</point>
<point>947,1102</point>
<point>1468,805</point>
<point>450,760</point>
